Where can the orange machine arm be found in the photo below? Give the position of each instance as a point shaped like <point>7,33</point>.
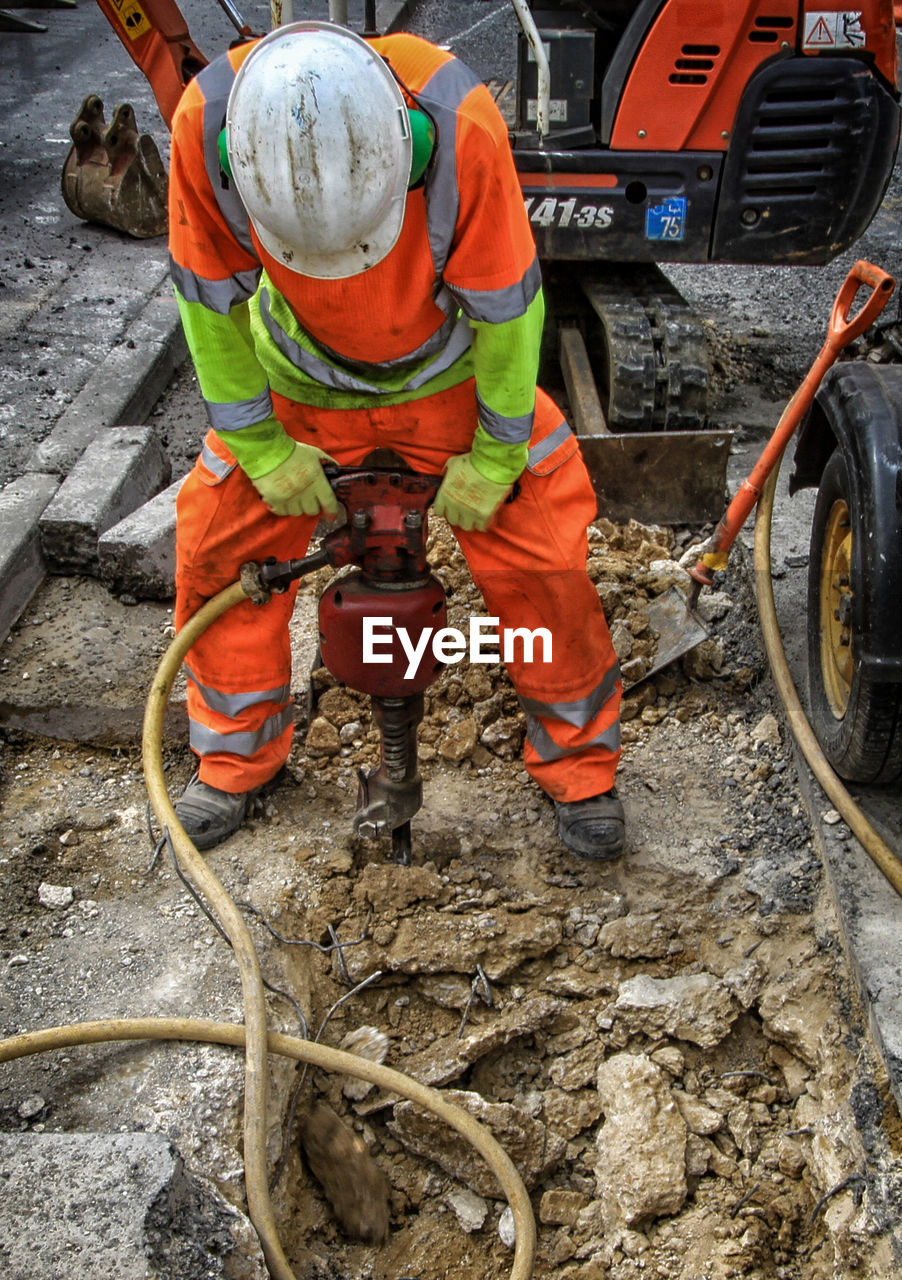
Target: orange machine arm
<point>157,39</point>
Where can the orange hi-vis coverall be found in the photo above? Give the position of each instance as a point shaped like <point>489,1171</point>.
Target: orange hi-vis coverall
<point>432,352</point>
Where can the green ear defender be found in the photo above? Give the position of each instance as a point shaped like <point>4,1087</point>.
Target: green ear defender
<point>223,154</point>
<point>422,137</point>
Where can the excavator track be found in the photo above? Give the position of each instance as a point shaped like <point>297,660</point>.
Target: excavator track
<point>648,349</point>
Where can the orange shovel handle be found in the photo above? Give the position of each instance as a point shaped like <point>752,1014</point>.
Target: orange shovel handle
<point>843,329</point>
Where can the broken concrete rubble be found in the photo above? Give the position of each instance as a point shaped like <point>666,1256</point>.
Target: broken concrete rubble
<point>694,1007</point>
<point>641,1147</point>
<point>434,942</point>
<point>125,1207</point>
<point>534,1148</point>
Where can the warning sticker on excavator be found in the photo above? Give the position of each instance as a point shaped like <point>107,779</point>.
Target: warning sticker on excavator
<point>827,29</point>
<point>132,17</point>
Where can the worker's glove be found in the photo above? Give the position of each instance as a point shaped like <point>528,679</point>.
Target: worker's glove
<point>465,498</point>
<point>298,486</point>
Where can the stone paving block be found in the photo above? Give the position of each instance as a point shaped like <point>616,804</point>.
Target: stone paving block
<point>115,1207</point>
<point>118,472</point>
<point>137,555</point>
<point>22,566</point>
<point>124,388</point>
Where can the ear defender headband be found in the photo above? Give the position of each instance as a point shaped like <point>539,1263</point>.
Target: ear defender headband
<point>422,137</point>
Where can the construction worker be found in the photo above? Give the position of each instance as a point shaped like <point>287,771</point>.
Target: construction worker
<point>355,269</point>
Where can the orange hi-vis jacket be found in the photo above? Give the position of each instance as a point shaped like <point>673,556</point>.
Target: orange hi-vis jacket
<point>423,353</point>
<point>428,316</point>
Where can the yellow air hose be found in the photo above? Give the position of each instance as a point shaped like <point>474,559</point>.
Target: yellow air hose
<point>842,801</point>
<point>256,1038</point>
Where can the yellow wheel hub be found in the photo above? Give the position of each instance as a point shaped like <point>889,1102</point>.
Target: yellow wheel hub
<point>836,609</point>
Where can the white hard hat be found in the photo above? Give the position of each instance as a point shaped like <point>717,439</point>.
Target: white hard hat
<point>319,147</point>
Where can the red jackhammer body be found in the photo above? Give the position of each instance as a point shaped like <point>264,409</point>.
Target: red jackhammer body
<point>391,590</point>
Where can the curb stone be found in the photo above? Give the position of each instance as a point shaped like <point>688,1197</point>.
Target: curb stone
<point>22,565</point>
<point>123,388</point>
<point>137,555</point>
<point>127,384</point>
<point>118,472</point>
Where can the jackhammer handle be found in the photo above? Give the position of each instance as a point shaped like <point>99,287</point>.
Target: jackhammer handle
<point>842,329</point>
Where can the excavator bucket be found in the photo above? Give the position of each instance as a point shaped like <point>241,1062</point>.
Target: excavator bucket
<point>113,174</point>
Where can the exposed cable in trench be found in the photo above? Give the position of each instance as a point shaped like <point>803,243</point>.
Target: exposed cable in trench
<point>842,801</point>
<point>255,1036</point>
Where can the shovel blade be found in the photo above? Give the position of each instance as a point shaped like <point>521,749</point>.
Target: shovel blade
<point>676,627</point>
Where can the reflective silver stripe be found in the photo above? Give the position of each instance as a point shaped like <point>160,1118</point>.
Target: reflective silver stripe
<point>215,82</point>
<point>545,448</point>
<point>215,295</point>
<point>495,306</point>
<point>507,430</point>
<point>232,415</point>
<point>220,469</point>
<point>206,741</point>
<point>328,375</point>
<point>232,704</point>
<point>547,749</point>
<point>441,97</point>
<point>459,342</point>
<point>581,712</point>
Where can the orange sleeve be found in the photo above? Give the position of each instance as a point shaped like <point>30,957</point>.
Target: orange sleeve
<point>202,242</point>
<point>493,247</point>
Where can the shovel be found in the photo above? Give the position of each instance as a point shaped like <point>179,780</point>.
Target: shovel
<point>672,617</point>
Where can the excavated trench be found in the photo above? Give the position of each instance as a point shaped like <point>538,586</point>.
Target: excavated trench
<point>669,1047</point>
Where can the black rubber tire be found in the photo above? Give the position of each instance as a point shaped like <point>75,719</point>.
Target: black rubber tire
<point>864,743</point>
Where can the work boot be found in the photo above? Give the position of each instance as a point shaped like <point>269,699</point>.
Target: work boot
<point>592,828</point>
<point>209,815</point>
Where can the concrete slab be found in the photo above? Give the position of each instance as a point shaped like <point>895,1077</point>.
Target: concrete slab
<point>22,565</point>
<point>80,664</point>
<point>137,555</point>
<point>119,471</point>
<point>124,387</point>
<point>114,1207</point>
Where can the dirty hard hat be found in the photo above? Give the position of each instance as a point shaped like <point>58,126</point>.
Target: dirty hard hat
<point>319,147</point>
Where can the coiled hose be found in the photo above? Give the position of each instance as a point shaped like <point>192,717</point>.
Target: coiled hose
<point>256,1038</point>
<point>842,801</point>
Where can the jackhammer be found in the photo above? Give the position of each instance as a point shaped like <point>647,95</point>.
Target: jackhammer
<point>385,537</point>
